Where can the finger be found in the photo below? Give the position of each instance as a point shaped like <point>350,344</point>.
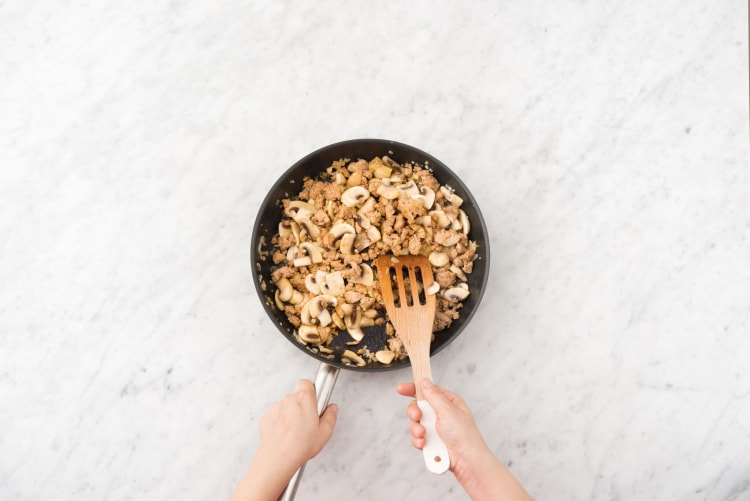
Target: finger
<point>304,386</point>
<point>418,443</point>
<point>328,422</point>
<point>406,389</point>
<point>414,412</point>
<point>416,430</point>
<point>435,396</point>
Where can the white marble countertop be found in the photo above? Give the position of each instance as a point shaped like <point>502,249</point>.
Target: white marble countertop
<point>606,144</point>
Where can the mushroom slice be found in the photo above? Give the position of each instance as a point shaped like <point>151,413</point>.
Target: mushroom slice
<point>354,180</point>
<point>363,221</point>
<point>424,221</point>
<point>451,196</point>
<point>315,253</point>
<point>312,282</point>
<point>385,356</point>
<point>388,191</point>
<point>438,259</point>
<point>366,322</point>
<point>334,284</point>
<point>347,244</point>
<point>297,297</point>
<point>357,334</point>
<point>373,234</point>
<point>291,253</point>
<point>429,197</point>
<point>340,178</point>
<point>324,318</point>
<point>456,294</point>
<point>338,321</point>
<point>440,218</point>
<point>362,274</point>
<point>354,196</point>
<point>299,210</point>
<point>304,314</point>
<point>310,227</point>
<point>353,357</point>
<point>302,261</point>
<point>432,289</point>
<point>331,209</point>
<point>320,303</point>
<point>382,171</point>
<point>459,272</point>
<point>285,228</point>
<point>285,289</point>
<point>367,207</point>
<point>309,333</point>
<point>408,189</point>
<point>340,229</point>
<point>279,303</point>
<point>464,220</point>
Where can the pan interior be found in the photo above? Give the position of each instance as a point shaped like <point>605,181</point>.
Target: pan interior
<point>313,165</point>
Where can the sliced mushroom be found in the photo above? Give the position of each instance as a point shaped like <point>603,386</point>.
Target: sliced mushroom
<point>340,229</point>
<point>324,318</point>
<point>285,289</point>
<point>456,294</point>
<point>367,207</point>
<point>451,196</point>
<point>347,244</point>
<point>334,284</point>
<point>320,303</point>
<point>299,209</point>
<point>464,220</point>
<point>362,274</point>
<point>438,259</point>
<point>352,319</point>
<point>385,356</point>
<point>363,221</point>
<point>388,191</point>
<point>424,221</point>
<point>432,289</point>
<point>354,180</point>
<point>297,297</point>
<point>373,234</point>
<point>440,218</point>
<point>313,282</point>
<point>459,272</point>
<point>340,178</point>
<point>357,334</point>
<point>285,228</point>
<point>409,189</point>
<point>302,261</point>
<point>366,322</point>
<point>331,209</point>
<point>291,253</point>
<point>279,302</point>
<point>338,321</point>
<point>429,197</point>
<point>382,171</point>
<point>309,333</point>
<point>304,314</point>
<point>353,357</point>
<point>315,253</point>
<point>354,196</point>
<point>310,227</point>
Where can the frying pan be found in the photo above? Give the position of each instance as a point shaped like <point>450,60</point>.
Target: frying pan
<point>266,226</point>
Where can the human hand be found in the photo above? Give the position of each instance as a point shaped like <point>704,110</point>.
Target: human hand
<point>455,423</point>
<point>291,431</point>
<point>480,473</point>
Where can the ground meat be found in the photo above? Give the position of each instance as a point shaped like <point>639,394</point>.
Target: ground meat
<point>445,278</point>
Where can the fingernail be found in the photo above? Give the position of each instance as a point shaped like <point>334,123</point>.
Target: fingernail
<point>426,383</point>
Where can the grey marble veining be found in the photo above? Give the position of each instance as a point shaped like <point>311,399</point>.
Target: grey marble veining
<point>606,144</point>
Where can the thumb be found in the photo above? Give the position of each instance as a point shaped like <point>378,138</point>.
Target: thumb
<point>328,422</point>
<point>437,399</point>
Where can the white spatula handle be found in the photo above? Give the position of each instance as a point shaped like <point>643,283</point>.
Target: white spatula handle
<point>435,451</point>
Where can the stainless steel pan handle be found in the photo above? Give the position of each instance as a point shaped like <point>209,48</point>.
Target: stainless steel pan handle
<point>325,380</point>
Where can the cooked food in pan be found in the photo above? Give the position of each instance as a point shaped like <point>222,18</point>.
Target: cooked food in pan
<point>331,231</point>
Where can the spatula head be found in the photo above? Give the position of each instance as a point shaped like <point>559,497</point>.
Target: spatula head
<point>404,283</point>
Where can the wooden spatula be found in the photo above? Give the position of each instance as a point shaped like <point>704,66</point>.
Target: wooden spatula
<point>412,313</point>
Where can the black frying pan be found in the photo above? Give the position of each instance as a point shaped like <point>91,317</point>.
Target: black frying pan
<point>266,226</point>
